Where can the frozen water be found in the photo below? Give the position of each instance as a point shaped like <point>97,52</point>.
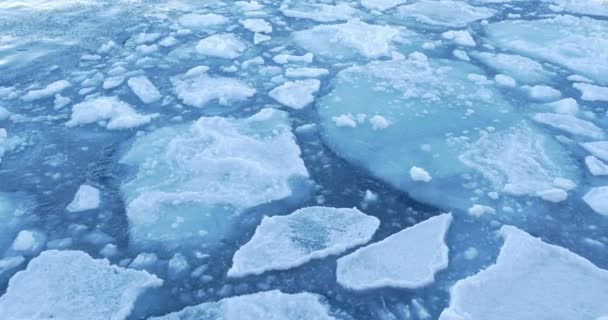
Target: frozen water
<point>86,198</point>
<point>62,284</point>
<point>531,280</point>
<point>320,12</point>
<point>199,89</point>
<point>597,148</point>
<point>109,112</point>
<point>591,92</point>
<point>145,90</point>
<point>224,45</point>
<point>570,124</point>
<point>192,179</point>
<point>447,13</point>
<point>597,199</point>
<point>407,259</point>
<point>268,305</point>
<point>284,242</point>
<point>520,68</point>
<point>296,94</point>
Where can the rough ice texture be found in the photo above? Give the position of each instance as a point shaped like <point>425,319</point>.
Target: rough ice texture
<point>86,198</point>
<point>597,199</point>
<point>480,134</point>
<point>347,39</point>
<point>109,112</point>
<point>381,5</point>
<point>407,259</point>
<point>597,148</point>
<point>596,166</point>
<point>71,284</point>
<point>522,69</point>
<point>201,21</point>
<point>531,280</point>
<point>296,94</point>
<point>590,7</point>
<point>193,179</point>
<point>591,92</point>
<point>223,45</point>
<point>144,89</point>
<point>47,92</point>
<point>570,124</point>
<point>575,43</point>
<point>319,12</point>
<point>198,90</point>
<point>446,13</point>
<point>267,305</point>
<point>284,242</point>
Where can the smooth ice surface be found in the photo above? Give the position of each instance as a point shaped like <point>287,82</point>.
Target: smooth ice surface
<point>86,198</point>
<point>597,148</point>
<point>591,92</point>
<point>531,280</point>
<point>447,13</point>
<point>48,91</point>
<point>352,38</point>
<point>284,242</point>
<point>69,284</point>
<point>144,89</point>
<point>597,199</point>
<point>320,12</point>
<point>192,179</point>
<point>267,305</point>
<point>296,94</point>
<point>522,69</point>
<point>575,43</point>
<point>480,133</point>
<point>407,259</point>
<point>109,112</point>
<point>570,124</point>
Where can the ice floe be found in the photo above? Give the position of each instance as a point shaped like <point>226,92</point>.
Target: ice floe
<point>86,198</point>
<point>144,89</point>
<point>447,13</point>
<point>284,242</point>
<point>223,45</point>
<point>597,199</point>
<point>531,280</point>
<point>407,259</point>
<point>200,89</point>
<point>109,112</point>
<point>296,94</point>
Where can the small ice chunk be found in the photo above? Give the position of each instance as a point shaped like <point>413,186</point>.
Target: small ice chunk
<point>197,91</point>
<point>144,89</point>
<point>267,305</point>
<point>296,94</point>
<point>478,210</point>
<point>379,122</point>
<point>419,174</point>
<point>28,242</point>
<point>570,124</point>
<point>178,267</point>
<point>531,280</point>
<point>565,106</point>
<point>113,82</point>
<point>285,242</point>
<point>259,38</point>
<point>553,195</point>
<point>69,284</point>
<point>222,45</point>
<point>597,148</point>
<point>597,199</point>
<point>86,198</point>
<point>592,92</point>
<point>257,25</point>
<point>381,5</point>
<point>446,13</point>
<point>48,91</point>
<point>319,12</point>
<point>542,93</point>
<point>460,37</point>
<point>306,72</point>
<point>288,58</point>
<point>201,21</point>
<point>407,259</point>
<point>345,120</point>
<point>564,184</point>
<point>118,114</point>
<point>505,81</point>
<point>596,166</point>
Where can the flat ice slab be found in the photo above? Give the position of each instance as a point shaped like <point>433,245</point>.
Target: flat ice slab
<point>284,242</point>
<point>71,284</point>
<point>597,199</point>
<point>407,259</point>
<point>268,305</point>
<point>193,179</point>
<point>144,89</point>
<point>296,94</point>
<point>86,198</point>
<point>531,280</point>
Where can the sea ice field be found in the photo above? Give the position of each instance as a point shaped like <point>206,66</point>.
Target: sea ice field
<point>304,159</point>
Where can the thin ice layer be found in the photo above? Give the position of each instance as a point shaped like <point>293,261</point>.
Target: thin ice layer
<point>531,280</point>
<point>446,13</point>
<point>63,284</point>
<point>284,242</point>
<point>191,180</point>
<point>407,259</point>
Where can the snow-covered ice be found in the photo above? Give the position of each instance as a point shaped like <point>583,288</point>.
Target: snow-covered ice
<point>86,198</point>
<point>296,94</point>
<point>407,259</point>
<point>108,112</point>
<point>223,45</point>
<point>268,305</point>
<point>192,179</point>
<point>531,280</point>
<point>63,284</point>
<point>597,199</point>
<point>448,13</point>
<point>144,89</point>
<point>284,242</point>
<point>200,89</point>
<point>597,148</point>
<point>591,92</point>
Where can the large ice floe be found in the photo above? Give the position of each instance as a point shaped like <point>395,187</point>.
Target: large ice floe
<point>270,305</point>
<point>407,259</point>
<point>284,242</point>
<point>467,136</point>
<point>447,13</point>
<point>192,179</point>
<point>531,280</point>
<point>577,43</point>
<point>70,285</point>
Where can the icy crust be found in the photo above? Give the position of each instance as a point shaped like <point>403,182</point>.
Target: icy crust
<point>590,7</point>
<point>108,112</point>
<point>446,13</point>
<point>407,259</point>
<point>71,284</point>
<point>284,242</point>
<point>319,12</point>
<point>531,280</point>
<point>575,43</point>
<point>520,68</point>
<point>192,179</point>
<point>267,305</point>
<point>296,94</point>
<point>198,90</point>
<point>351,39</point>
<point>12,209</point>
<point>461,130</point>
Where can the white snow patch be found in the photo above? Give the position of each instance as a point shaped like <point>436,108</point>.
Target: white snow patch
<point>144,89</point>
<point>109,112</point>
